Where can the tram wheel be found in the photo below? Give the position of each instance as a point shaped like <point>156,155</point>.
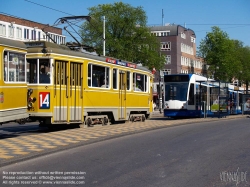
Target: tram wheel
<point>105,121</point>
<point>143,118</point>
<point>89,122</point>
<point>132,118</point>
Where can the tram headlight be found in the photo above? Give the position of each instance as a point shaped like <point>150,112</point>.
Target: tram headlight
<point>184,106</point>
<point>166,105</point>
<point>30,104</point>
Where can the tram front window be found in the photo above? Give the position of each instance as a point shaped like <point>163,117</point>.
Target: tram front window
<point>176,91</point>
<point>42,67</point>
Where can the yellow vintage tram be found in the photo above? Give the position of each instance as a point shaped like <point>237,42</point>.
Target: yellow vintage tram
<point>13,87</point>
<point>66,86</point>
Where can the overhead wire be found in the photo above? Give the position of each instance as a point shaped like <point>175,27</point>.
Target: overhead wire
<point>49,7</point>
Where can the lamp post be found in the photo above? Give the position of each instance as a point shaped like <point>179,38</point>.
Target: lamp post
<point>104,36</point>
<point>160,92</point>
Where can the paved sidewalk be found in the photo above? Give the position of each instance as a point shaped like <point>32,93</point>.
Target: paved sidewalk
<point>25,147</point>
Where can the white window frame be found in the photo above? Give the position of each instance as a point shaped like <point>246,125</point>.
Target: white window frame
<point>11,31</point>
<point>165,46</point>
<point>192,39</point>
<point>168,59</point>
<point>19,32</point>
<point>183,35</point>
<point>166,71</point>
<point>2,30</point>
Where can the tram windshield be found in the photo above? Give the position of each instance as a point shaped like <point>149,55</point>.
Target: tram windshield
<point>42,66</point>
<point>176,91</point>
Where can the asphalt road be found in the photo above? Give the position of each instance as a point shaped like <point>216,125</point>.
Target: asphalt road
<point>200,154</point>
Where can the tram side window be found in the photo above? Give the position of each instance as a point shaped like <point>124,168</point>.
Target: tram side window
<point>14,67</point>
<point>203,93</point>
<point>128,80</point>
<point>98,76</point>
<point>191,95</point>
<point>140,82</point>
<point>115,78</point>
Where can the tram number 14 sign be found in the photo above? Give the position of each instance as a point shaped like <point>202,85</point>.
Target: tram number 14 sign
<point>44,100</point>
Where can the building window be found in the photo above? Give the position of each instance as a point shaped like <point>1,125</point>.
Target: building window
<point>192,39</point>
<point>165,33</point>
<point>165,46</point>
<point>39,35</point>
<point>187,49</point>
<point>33,35</point>
<point>166,71</point>
<point>2,30</point>
<point>168,59</point>
<point>160,33</point>
<point>19,32</point>
<point>26,33</point>
<point>11,31</point>
<point>183,35</point>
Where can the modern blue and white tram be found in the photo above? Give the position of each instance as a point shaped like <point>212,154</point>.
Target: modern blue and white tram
<point>191,95</point>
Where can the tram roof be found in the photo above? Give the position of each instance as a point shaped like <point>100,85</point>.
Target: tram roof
<point>49,47</point>
<point>12,43</point>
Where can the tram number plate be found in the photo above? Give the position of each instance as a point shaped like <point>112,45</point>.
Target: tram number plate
<point>44,100</point>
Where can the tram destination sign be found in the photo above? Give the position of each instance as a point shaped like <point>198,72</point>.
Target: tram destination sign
<point>121,63</point>
<point>34,44</point>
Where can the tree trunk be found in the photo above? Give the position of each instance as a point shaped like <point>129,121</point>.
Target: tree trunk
<point>247,84</point>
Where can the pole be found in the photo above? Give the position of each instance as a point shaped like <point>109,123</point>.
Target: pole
<point>200,101</point>
<point>104,36</point>
<point>160,92</point>
<point>204,109</point>
<point>162,18</point>
<point>219,99</point>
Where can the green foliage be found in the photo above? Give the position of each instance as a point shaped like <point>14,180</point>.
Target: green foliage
<point>225,56</point>
<point>126,34</point>
<point>244,57</point>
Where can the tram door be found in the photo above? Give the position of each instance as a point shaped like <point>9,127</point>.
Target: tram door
<point>75,92</point>
<point>122,94</point>
<point>60,91</point>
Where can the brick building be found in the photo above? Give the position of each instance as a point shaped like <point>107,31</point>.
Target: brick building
<point>25,30</point>
<point>179,47</point>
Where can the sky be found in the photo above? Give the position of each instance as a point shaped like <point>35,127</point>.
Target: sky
<point>232,16</point>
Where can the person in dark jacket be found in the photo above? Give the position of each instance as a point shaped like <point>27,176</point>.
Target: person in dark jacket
<point>43,77</point>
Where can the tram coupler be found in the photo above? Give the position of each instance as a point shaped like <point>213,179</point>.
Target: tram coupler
<point>137,117</point>
<point>90,121</point>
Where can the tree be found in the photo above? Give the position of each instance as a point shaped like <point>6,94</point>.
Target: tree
<point>244,57</point>
<point>218,52</point>
<point>126,35</point>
